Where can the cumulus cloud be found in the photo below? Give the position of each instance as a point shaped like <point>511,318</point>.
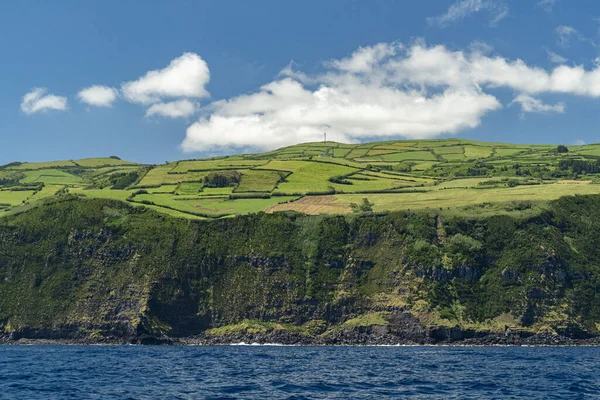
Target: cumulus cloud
<point>185,76</point>
<point>365,58</point>
<point>99,96</point>
<point>173,109</point>
<point>530,104</point>
<point>384,91</point>
<point>460,10</point>
<point>37,100</point>
<point>284,113</point>
<point>580,142</point>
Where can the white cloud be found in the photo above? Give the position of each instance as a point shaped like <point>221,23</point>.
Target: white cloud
<point>37,100</point>
<point>460,10</point>
<point>555,58</point>
<point>174,109</point>
<point>99,96</point>
<point>365,58</point>
<point>185,76</point>
<point>479,46</point>
<point>532,105</point>
<point>547,5</point>
<point>580,142</point>
<point>386,91</point>
<point>565,33</point>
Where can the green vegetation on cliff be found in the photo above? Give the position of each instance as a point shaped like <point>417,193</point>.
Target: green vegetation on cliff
<point>101,268</point>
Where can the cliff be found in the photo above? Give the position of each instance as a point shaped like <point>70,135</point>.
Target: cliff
<point>103,271</point>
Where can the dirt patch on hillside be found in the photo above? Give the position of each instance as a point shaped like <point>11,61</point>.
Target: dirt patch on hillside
<point>572,182</point>
<point>312,205</point>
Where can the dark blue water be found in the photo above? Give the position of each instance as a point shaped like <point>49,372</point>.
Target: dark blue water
<point>271,372</point>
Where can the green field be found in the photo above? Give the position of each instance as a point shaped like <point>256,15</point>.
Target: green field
<point>51,177</point>
<point>13,198</point>
<point>440,173</point>
<point>259,181</point>
<point>476,152</point>
<point>101,162</point>
<point>215,206</point>
<point>463,197</point>
<point>410,155</point>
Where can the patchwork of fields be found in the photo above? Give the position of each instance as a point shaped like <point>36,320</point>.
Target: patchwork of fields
<point>318,178</point>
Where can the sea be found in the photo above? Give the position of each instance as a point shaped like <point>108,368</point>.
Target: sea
<point>289,372</point>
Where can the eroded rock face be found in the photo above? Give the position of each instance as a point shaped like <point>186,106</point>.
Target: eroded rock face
<point>98,270</point>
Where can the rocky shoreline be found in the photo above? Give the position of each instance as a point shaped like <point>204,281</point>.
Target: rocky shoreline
<point>346,338</point>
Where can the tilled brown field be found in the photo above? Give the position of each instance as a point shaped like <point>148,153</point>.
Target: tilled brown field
<point>312,205</point>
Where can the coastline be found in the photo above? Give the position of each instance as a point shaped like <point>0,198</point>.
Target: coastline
<point>489,340</point>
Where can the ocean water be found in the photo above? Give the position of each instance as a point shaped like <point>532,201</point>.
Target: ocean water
<point>274,372</point>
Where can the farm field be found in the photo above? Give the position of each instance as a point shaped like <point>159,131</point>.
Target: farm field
<point>436,199</point>
<point>318,178</point>
<point>12,198</point>
<point>51,177</point>
<point>215,206</point>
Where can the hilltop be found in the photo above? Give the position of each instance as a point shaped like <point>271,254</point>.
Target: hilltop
<point>313,178</point>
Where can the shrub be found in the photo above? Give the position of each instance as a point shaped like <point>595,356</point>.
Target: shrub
<point>222,179</point>
<point>123,180</point>
<point>340,180</point>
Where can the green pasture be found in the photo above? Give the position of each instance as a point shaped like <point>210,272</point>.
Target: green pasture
<point>341,152</point>
<point>101,162</point>
<point>378,152</point>
<point>284,165</point>
<point>258,181</point>
<point>225,163</point>
<point>226,191</point>
<point>42,165</point>
<point>51,177</point>
<point>167,188</point>
<point>312,177</point>
<point>476,152</point>
<point>423,166</point>
<point>187,188</point>
<point>463,183</point>
<point>103,193</point>
<point>103,172</point>
<point>161,176</point>
<point>454,157</point>
<point>14,198</point>
<point>363,182</point>
<point>410,155</point>
<point>357,153</point>
<point>211,205</point>
<point>443,150</point>
<point>594,151</point>
<point>506,152</point>
<point>463,197</point>
<point>47,191</point>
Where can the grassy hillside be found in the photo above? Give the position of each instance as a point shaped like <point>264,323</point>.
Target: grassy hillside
<point>455,175</point>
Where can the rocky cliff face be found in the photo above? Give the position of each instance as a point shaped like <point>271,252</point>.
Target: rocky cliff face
<point>100,270</point>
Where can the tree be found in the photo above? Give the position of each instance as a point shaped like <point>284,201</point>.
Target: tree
<point>562,149</point>
<point>222,179</point>
<point>365,206</point>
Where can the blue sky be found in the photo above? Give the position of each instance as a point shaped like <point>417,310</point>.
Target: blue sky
<point>175,79</point>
